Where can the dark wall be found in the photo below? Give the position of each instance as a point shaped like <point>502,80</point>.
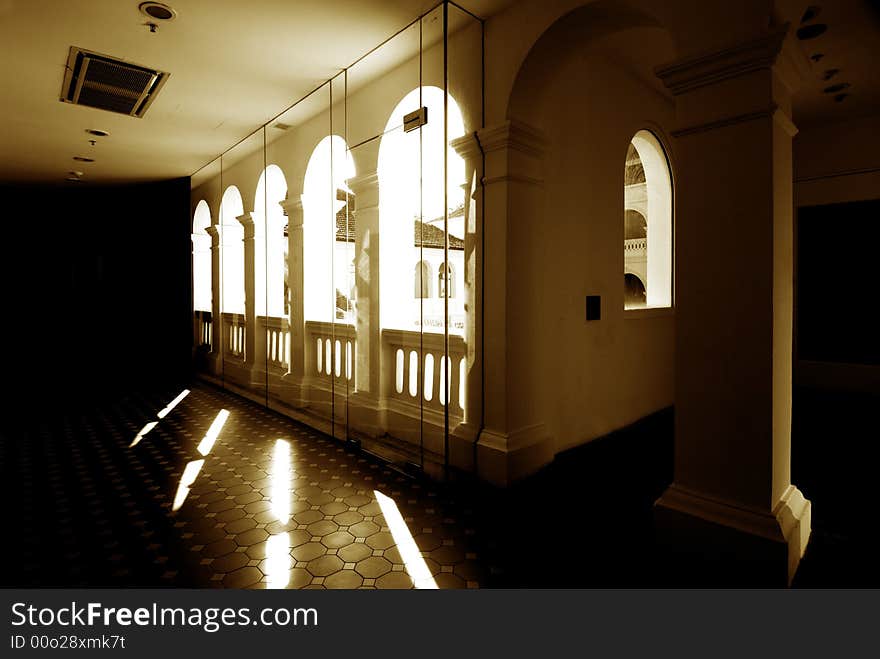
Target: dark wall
<point>837,283</point>
<point>98,283</point>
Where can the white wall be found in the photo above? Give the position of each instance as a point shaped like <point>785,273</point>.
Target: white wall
<point>588,378</point>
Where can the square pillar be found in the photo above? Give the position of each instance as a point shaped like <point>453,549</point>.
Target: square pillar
<point>732,506</point>
<point>250,315</point>
<point>371,374</point>
<point>215,358</point>
<point>513,441</point>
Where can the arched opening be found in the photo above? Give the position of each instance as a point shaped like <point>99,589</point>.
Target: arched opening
<point>422,281</point>
<point>647,248</point>
<point>421,210</point>
<point>232,252</point>
<point>633,291</point>
<point>328,233</point>
<point>201,263</point>
<point>446,280</point>
<point>270,244</point>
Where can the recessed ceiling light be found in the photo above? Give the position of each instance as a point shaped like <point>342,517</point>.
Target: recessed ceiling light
<point>839,87</point>
<point>158,11</point>
<point>83,159</point>
<point>97,132</point>
<point>817,56</point>
<point>72,179</point>
<point>811,31</point>
<point>73,172</point>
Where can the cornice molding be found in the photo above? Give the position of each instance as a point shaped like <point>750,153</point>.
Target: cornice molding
<point>690,73</point>
<point>514,135</point>
<point>363,183</point>
<point>467,146</point>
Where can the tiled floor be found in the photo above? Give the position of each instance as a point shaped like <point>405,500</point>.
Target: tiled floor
<point>94,511</point>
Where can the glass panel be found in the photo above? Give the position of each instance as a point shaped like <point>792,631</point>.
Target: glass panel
<point>382,88</point>
<point>462,373</point>
<point>205,196</point>
<point>343,274</point>
<point>244,344</point>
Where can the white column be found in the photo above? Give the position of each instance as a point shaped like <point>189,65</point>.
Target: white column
<point>732,492</point>
<point>294,210</point>
<point>215,364</point>
<point>373,373</point>
<point>513,441</point>
<point>250,356</point>
<point>461,452</point>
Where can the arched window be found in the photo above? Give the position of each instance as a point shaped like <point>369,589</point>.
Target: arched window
<point>270,244</point>
<point>422,280</point>
<point>328,232</point>
<point>446,281</point>
<point>201,258</point>
<point>232,252</point>
<point>647,245</point>
<point>420,209</point>
<point>634,291</point>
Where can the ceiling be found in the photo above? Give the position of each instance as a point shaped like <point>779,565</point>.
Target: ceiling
<point>234,65</point>
<point>850,45</point>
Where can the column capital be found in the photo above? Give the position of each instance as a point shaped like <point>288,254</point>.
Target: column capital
<point>293,209</point>
<point>364,183</point>
<point>513,134</point>
<point>214,231</point>
<point>247,221</point>
<point>467,146</point>
<point>693,72</point>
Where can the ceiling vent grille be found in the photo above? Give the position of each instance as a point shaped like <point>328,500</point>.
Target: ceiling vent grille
<point>107,83</point>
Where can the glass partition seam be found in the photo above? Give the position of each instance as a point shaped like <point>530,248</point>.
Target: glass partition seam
<point>349,285</point>
<point>222,278</point>
<point>331,228</point>
<point>422,284</point>
<point>265,261</point>
<point>482,242</point>
<point>445,361</point>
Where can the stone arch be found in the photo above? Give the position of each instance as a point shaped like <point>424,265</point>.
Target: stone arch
<point>201,261</point>
<point>231,252</point>
<point>584,25</point>
<point>270,244</point>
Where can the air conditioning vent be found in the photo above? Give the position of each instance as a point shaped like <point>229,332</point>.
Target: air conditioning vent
<point>107,83</point>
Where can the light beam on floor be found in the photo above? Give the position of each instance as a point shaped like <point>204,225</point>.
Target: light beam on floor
<point>170,406</point>
<point>278,561</point>
<point>143,432</point>
<point>161,414</point>
<point>281,475</point>
<point>190,473</point>
<point>406,545</point>
<point>210,437</point>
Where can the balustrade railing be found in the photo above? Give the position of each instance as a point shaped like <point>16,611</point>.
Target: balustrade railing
<point>203,329</point>
<point>234,328</point>
<point>330,350</point>
<point>635,244</point>
<point>277,333</point>
<point>421,369</point>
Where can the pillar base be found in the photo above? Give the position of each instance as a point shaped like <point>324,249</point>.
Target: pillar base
<point>503,458</point>
<point>706,541</point>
